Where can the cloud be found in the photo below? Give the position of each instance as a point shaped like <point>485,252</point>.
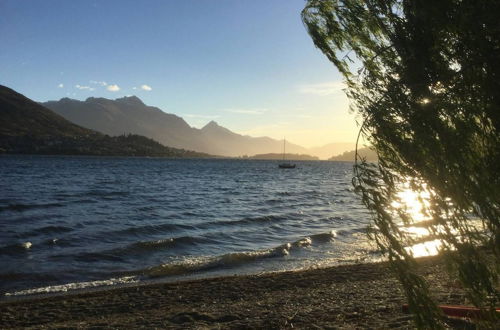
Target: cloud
<point>250,111</point>
<point>146,88</point>
<point>100,83</point>
<point>88,88</point>
<point>113,88</point>
<point>323,89</point>
<point>61,85</point>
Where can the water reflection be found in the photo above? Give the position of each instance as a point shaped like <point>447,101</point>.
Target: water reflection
<point>429,248</point>
<point>414,204</point>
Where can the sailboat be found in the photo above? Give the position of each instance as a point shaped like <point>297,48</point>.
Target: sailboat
<point>285,164</point>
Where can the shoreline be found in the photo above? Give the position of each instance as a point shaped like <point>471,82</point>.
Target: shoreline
<point>359,295</point>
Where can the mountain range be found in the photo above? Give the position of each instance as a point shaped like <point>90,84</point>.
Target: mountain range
<point>29,128</point>
<point>130,115</point>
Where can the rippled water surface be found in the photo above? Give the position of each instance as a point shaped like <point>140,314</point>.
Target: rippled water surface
<point>72,222</point>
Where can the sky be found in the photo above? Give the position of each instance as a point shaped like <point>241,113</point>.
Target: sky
<point>248,65</point>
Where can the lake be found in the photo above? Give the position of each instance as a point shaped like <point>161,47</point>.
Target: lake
<point>78,222</point>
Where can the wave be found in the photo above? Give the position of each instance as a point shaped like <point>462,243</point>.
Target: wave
<point>229,260</point>
<point>185,267</point>
<point>24,247</point>
<point>47,230</point>
<point>151,229</point>
<point>118,254</point>
<point>351,231</point>
<point>273,201</point>
<point>19,207</point>
<point>183,242</point>
<point>12,249</point>
<point>104,193</point>
<point>166,243</point>
<point>243,221</point>
<point>324,237</point>
<point>74,286</point>
<point>93,257</point>
<point>27,277</point>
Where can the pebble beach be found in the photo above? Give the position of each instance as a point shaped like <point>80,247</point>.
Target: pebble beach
<point>348,296</point>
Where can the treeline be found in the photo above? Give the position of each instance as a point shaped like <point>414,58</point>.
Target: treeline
<point>93,145</point>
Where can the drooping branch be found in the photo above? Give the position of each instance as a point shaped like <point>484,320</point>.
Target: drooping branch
<point>427,95</point>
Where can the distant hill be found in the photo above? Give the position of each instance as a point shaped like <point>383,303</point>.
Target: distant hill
<point>28,127</point>
<point>287,156</point>
<point>127,115</point>
<point>349,156</point>
<point>326,151</point>
<point>130,115</point>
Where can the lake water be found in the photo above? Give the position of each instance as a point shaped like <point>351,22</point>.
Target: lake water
<point>76,222</point>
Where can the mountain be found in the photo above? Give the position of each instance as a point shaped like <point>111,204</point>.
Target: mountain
<point>28,127</point>
<point>126,115</point>
<point>222,141</point>
<point>349,156</point>
<point>24,117</point>
<point>326,151</point>
<point>131,115</point>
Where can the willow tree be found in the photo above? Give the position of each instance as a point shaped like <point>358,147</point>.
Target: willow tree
<point>424,77</point>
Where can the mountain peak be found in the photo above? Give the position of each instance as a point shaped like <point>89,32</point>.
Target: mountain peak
<point>213,128</point>
<point>94,99</point>
<point>211,124</point>
<point>130,100</point>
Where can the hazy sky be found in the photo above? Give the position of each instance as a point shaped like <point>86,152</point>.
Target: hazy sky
<point>247,64</point>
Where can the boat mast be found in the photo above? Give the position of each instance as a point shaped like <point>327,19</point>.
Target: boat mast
<point>283,149</point>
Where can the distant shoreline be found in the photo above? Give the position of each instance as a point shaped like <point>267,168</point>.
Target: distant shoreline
<point>108,156</point>
<point>171,157</point>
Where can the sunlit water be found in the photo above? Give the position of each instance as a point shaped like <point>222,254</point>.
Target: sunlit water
<point>78,222</point>
<point>415,203</point>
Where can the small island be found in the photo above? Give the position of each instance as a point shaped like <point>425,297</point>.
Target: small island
<point>350,156</point>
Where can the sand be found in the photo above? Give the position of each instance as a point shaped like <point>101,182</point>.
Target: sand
<point>352,296</point>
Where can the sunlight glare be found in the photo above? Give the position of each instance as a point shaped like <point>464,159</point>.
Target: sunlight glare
<point>414,204</point>
<point>429,248</point>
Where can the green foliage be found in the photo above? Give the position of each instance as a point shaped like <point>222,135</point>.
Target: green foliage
<point>424,78</point>
<point>92,145</point>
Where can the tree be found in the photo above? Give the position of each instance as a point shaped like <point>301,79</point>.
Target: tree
<point>428,92</point>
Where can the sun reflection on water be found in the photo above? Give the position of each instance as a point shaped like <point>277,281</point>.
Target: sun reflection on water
<point>414,204</point>
<point>428,248</point>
